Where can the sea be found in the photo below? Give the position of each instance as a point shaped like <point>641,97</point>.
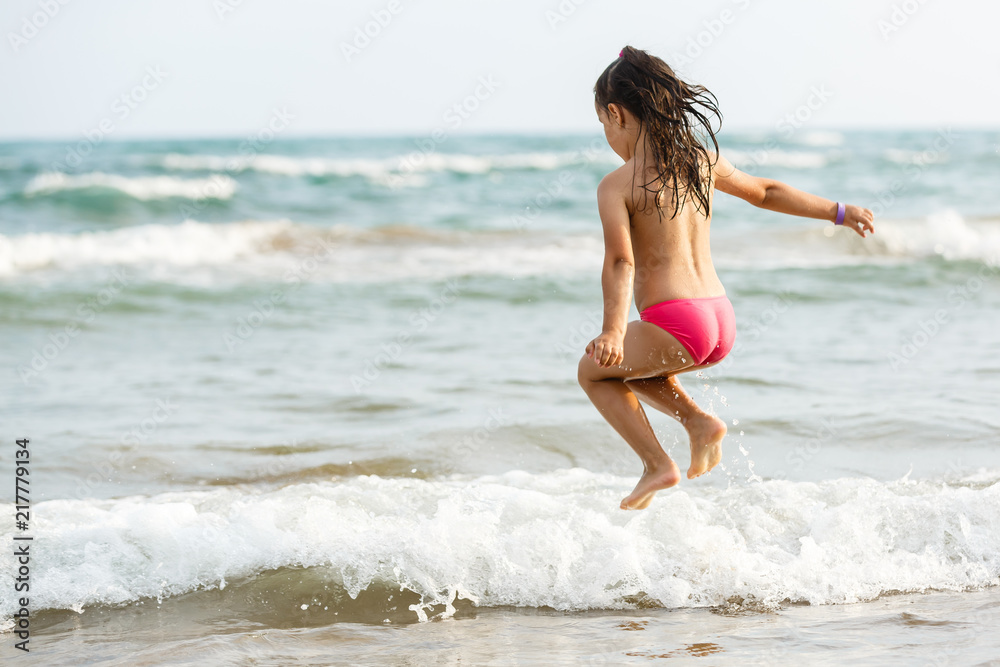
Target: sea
<point>313,401</point>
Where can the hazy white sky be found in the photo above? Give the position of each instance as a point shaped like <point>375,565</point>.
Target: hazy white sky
<point>221,67</point>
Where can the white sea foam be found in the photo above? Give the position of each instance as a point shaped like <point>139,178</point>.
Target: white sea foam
<point>343,254</point>
<point>385,170</point>
<point>272,249</point>
<point>945,234</point>
<point>185,245</point>
<point>554,539</point>
<point>144,188</point>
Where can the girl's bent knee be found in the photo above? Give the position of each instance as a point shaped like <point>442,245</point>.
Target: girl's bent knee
<point>588,371</point>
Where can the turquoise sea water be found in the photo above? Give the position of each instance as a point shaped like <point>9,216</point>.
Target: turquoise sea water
<point>318,391</point>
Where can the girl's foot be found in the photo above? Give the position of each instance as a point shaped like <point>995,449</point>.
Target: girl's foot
<point>706,433</point>
<point>654,479</point>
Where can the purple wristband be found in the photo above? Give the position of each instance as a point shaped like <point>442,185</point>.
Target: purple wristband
<point>841,209</point>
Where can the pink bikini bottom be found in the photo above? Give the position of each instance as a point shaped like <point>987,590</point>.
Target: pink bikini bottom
<point>705,326</point>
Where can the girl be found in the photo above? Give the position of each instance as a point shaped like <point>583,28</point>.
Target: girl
<point>658,245</point>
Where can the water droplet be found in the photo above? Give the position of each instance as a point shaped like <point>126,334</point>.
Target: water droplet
<point>304,607</point>
<point>735,422</point>
<point>413,470</point>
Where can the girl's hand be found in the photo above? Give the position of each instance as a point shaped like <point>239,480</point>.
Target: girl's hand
<point>607,350</point>
<point>859,219</point>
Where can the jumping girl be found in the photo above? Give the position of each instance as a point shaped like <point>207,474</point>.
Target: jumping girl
<point>658,246</point>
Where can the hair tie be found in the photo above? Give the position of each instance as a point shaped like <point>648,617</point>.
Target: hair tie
<point>621,53</point>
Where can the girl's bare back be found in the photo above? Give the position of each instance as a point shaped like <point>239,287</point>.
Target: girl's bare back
<point>671,254</point>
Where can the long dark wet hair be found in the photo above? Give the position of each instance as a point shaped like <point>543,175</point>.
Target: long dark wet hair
<point>668,108</point>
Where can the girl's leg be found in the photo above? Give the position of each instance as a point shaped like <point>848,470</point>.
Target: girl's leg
<point>623,411</point>
<point>705,431</point>
<point>649,350</point>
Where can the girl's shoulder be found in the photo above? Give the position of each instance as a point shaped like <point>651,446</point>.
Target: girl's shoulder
<point>617,185</point>
<point>718,165</point>
<point>616,180</point>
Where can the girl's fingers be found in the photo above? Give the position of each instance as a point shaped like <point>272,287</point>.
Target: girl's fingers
<point>604,354</point>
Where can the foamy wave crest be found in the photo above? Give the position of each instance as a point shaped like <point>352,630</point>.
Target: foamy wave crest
<point>777,158</point>
<point>919,158</point>
<point>534,540</point>
<point>272,249</point>
<point>386,171</point>
<point>945,234</point>
<point>144,188</point>
<point>188,244</point>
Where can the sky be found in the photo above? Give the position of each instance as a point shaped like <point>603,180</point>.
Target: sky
<point>195,68</point>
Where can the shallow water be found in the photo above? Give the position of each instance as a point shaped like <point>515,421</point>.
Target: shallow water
<point>934,628</point>
<point>342,375</point>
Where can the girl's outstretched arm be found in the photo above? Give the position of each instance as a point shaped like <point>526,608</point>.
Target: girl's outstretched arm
<point>608,349</point>
<point>777,196</point>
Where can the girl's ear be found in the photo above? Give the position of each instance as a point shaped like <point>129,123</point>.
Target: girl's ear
<point>616,114</point>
